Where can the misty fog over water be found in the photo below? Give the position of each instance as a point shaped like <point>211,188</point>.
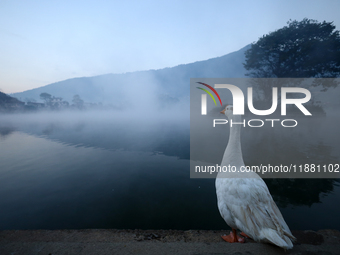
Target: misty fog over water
<point>130,169</point>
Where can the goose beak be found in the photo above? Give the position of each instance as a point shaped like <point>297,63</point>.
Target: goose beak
<point>223,112</point>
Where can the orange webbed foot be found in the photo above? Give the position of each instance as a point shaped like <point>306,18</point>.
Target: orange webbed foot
<point>233,237</point>
<point>245,235</point>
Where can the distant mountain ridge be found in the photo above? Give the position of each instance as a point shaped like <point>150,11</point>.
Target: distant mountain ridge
<point>119,89</point>
<point>8,103</point>
<point>4,98</point>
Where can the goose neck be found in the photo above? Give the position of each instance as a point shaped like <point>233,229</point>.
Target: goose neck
<point>233,152</point>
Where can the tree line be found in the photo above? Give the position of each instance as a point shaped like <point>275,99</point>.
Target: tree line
<point>302,49</point>
<point>58,102</point>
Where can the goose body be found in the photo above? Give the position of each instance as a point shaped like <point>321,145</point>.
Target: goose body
<point>244,200</point>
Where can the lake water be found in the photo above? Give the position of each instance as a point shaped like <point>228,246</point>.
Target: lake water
<point>107,170</point>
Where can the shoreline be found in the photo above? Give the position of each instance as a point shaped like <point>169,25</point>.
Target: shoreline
<point>124,241</point>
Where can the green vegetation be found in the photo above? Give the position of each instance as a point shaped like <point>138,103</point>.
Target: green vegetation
<point>302,49</point>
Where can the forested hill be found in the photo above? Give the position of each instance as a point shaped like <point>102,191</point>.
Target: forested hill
<point>8,103</point>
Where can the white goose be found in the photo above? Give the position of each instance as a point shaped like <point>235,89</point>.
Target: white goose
<point>244,200</point>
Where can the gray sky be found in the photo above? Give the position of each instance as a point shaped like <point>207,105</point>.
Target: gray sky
<point>42,42</point>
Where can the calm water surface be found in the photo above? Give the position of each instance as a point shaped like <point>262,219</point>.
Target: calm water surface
<point>100,171</point>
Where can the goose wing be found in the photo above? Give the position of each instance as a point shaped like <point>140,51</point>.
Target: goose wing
<point>255,213</point>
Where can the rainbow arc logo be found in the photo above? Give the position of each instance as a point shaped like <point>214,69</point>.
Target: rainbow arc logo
<point>204,97</point>
<point>213,90</point>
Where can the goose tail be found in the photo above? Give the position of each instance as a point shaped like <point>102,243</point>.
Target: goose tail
<point>272,236</point>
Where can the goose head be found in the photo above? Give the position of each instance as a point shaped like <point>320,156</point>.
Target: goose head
<point>228,111</point>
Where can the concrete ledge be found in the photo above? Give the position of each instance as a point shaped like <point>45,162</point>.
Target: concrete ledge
<point>195,242</point>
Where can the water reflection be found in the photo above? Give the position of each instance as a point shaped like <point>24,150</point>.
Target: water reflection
<point>164,135</point>
<point>103,173</point>
<point>61,186</point>
<point>299,191</point>
<point>311,143</point>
